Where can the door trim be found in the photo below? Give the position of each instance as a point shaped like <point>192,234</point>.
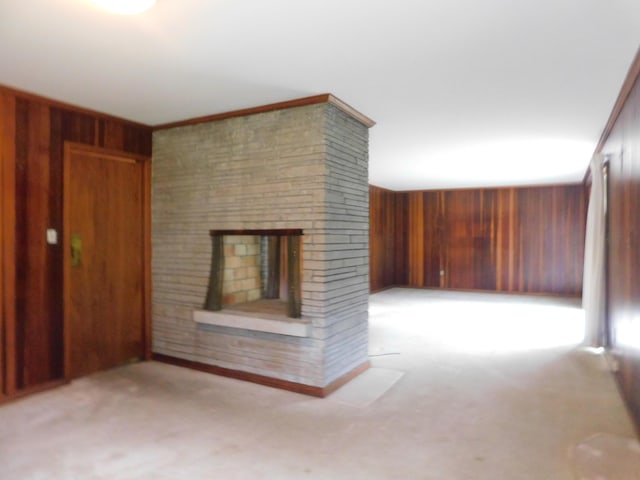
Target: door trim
<point>69,149</point>
<point>8,246</point>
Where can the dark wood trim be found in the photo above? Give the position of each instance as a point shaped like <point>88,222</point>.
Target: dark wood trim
<point>627,86</point>
<point>500,188</point>
<point>476,290</point>
<point>34,389</point>
<point>2,235</point>
<point>8,229</point>
<point>311,390</point>
<point>344,379</point>
<point>292,232</point>
<point>146,255</point>
<point>382,188</point>
<point>69,107</point>
<point>387,287</point>
<point>299,102</point>
<point>121,155</point>
<point>66,240</point>
<point>349,110</point>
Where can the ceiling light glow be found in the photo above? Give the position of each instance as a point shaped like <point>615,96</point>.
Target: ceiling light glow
<point>125,7</point>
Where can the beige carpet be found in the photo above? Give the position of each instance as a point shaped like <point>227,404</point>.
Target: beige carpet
<point>607,457</point>
<point>480,387</point>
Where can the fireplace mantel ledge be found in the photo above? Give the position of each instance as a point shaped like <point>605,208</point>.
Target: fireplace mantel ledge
<point>280,325</point>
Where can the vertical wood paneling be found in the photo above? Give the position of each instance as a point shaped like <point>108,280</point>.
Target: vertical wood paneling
<point>622,147</point>
<point>433,231</point>
<point>525,240</point>
<point>2,320</point>
<point>34,330</point>
<point>505,240</point>
<point>388,239</point>
<point>416,235</point>
<point>470,241</point>
<point>33,131</point>
<point>399,263</point>
<point>7,248</point>
<point>127,137</point>
<point>551,223</point>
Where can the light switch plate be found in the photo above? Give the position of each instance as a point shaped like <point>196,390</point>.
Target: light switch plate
<point>52,236</point>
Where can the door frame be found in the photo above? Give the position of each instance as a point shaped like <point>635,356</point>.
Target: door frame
<point>8,245</point>
<point>145,162</point>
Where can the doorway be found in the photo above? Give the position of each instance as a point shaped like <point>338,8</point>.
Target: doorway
<point>106,259</point>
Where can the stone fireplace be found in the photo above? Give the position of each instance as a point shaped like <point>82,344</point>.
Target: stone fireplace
<point>300,166</point>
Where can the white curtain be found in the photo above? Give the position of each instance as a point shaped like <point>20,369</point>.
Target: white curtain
<point>593,285</point>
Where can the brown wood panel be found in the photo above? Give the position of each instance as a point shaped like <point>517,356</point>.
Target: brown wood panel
<point>33,131</point>
<point>7,247</point>
<point>551,223</point>
<point>36,353</point>
<point>124,137</point>
<point>621,144</point>
<point>416,242</point>
<point>399,216</point>
<point>433,234</point>
<point>2,207</point>
<point>505,240</point>
<point>524,240</point>
<point>388,238</point>
<point>470,239</point>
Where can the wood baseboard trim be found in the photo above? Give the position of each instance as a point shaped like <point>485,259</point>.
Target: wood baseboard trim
<point>382,289</point>
<point>18,394</point>
<point>310,390</point>
<point>346,378</point>
<point>477,290</point>
<point>631,411</point>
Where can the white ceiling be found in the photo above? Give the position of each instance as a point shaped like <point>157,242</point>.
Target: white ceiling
<point>464,92</point>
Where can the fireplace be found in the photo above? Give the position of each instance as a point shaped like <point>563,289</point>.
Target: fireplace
<point>256,272</point>
<point>302,166</point>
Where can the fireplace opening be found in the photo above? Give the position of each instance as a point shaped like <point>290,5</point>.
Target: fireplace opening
<point>255,272</point>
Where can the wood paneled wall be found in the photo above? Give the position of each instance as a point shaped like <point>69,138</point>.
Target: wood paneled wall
<point>388,238</point>
<point>525,240</point>
<point>621,145</point>
<point>33,131</point>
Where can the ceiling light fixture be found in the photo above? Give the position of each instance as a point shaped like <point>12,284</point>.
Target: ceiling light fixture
<point>125,7</point>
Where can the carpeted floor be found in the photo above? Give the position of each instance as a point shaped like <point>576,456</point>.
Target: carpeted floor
<point>463,386</point>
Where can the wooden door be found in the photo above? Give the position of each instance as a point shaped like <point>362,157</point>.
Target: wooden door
<point>105,272</point>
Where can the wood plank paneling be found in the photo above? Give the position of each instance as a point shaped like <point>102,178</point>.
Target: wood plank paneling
<point>7,248</point>
<point>470,242</point>
<point>388,239</point>
<point>416,240</point>
<point>33,131</point>
<point>524,240</point>
<point>550,223</point>
<point>35,330</point>
<point>621,145</point>
<point>433,231</point>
